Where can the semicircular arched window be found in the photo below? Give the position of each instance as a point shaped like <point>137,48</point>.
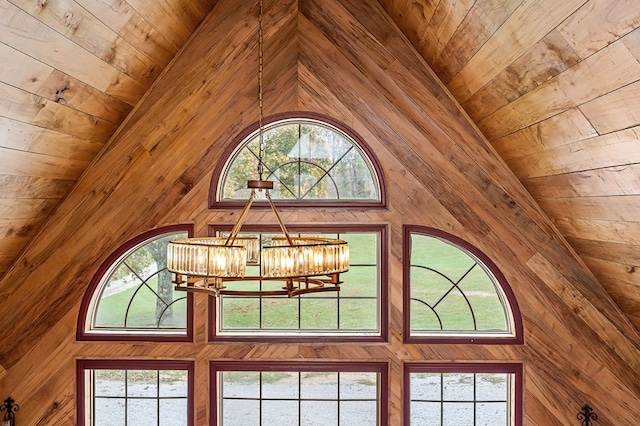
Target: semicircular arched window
<point>132,295</point>
<point>454,293</point>
<point>308,160</point>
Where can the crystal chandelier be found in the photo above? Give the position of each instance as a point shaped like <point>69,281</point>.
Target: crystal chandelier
<point>305,264</point>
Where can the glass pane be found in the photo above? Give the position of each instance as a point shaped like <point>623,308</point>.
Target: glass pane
<point>425,413</point>
<point>142,383</point>
<point>240,312</point>
<point>455,312</point>
<point>426,386</point>
<point>173,412</point>
<point>450,291</point>
<point>359,281</point>
<point>440,256</point>
<point>358,413</point>
<point>174,383</point>
<point>240,413</point>
<point>458,387</point>
<point>319,385</point>
<point>491,414</point>
<point>280,313</point>
<point>109,412</point>
<point>358,386</point>
<point>358,314</point>
<point>112,306</point>
<point>109,382</point>
<point>283,413</point>
<point>423,317</point>
<point>457,414</point>
<point>142,412</point>
<point>492,386</point>
<point>305,161</point>
<point>241,384</point>
<point>139,293</point>
<point>316,313</point>
<point>353,177</point>
<point>280,385</point>
<point>319,413</point>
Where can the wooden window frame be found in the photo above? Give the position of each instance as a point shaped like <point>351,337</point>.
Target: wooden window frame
<point>266,337</point>
<point>518,334</point>
<point>516,393</point>
<point>86,307</point>
<point>131,364</point>
<point>381,368</point>
<point>219,171</point>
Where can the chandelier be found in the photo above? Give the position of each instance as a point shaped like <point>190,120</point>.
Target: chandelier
<point>305,264</point>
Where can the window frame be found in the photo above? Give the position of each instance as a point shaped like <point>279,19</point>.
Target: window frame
<point>237,142</point>
<point>379,367</point>
<point>90,299</point>
<point>516,393</point>
<point>517,338</point>
<point>82,365</point>
<point>383,270</point>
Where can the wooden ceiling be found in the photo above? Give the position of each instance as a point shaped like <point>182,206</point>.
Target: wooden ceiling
<point>553,85</point>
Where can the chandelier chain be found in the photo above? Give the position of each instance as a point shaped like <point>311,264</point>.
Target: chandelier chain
<point>260,88</point>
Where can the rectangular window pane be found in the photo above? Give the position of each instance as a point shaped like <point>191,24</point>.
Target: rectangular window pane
<point>293,397</point>
<point>353,311</point>
<point>134,396</point>
<point>441,397</point>
<point>109,411</point>
<point>240,412</point>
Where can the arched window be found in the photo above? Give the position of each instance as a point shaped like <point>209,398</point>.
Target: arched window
<point>132,295</point>
<point>309,158</point>
<point>454,293</point>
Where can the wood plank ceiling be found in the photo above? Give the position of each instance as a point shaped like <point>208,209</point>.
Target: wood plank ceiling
<point>554,86</point>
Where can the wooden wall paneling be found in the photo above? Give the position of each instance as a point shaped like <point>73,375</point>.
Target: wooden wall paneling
<point>20,70</point>
<point>567,90</point>
<point>615,110</point>
<point>99,208</point>
<point>22,106</point>
<point>518,33</point>
<point>599,23</point>
<point>614,149</point>
<point>73,21</point>
<point>474,201</point>
<point>606,231</point>
<point>162,14</point>
<point>544,60</point>
<point>66,90</point>
<point>481,21</point>
<point>24,208</point>
<point>228,52</point>
<point>33,187</point>
<point>446,18</point>
<point>614,252</point>
<point>400,77</point>
<point>21,136</point>
<point>600,208</point>
<point>561,129</point>
<point>33,37</point>
<point>449,116</point>
<point>417,13</point>
<point>131,26</point>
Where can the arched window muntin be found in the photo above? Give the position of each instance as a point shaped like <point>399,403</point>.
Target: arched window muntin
<point>246,143</point>
<point>513,332</point>
<point>87,329</point>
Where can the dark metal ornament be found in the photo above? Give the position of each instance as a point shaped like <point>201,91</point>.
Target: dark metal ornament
<point>587,415</point>
<point>9,406</point>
